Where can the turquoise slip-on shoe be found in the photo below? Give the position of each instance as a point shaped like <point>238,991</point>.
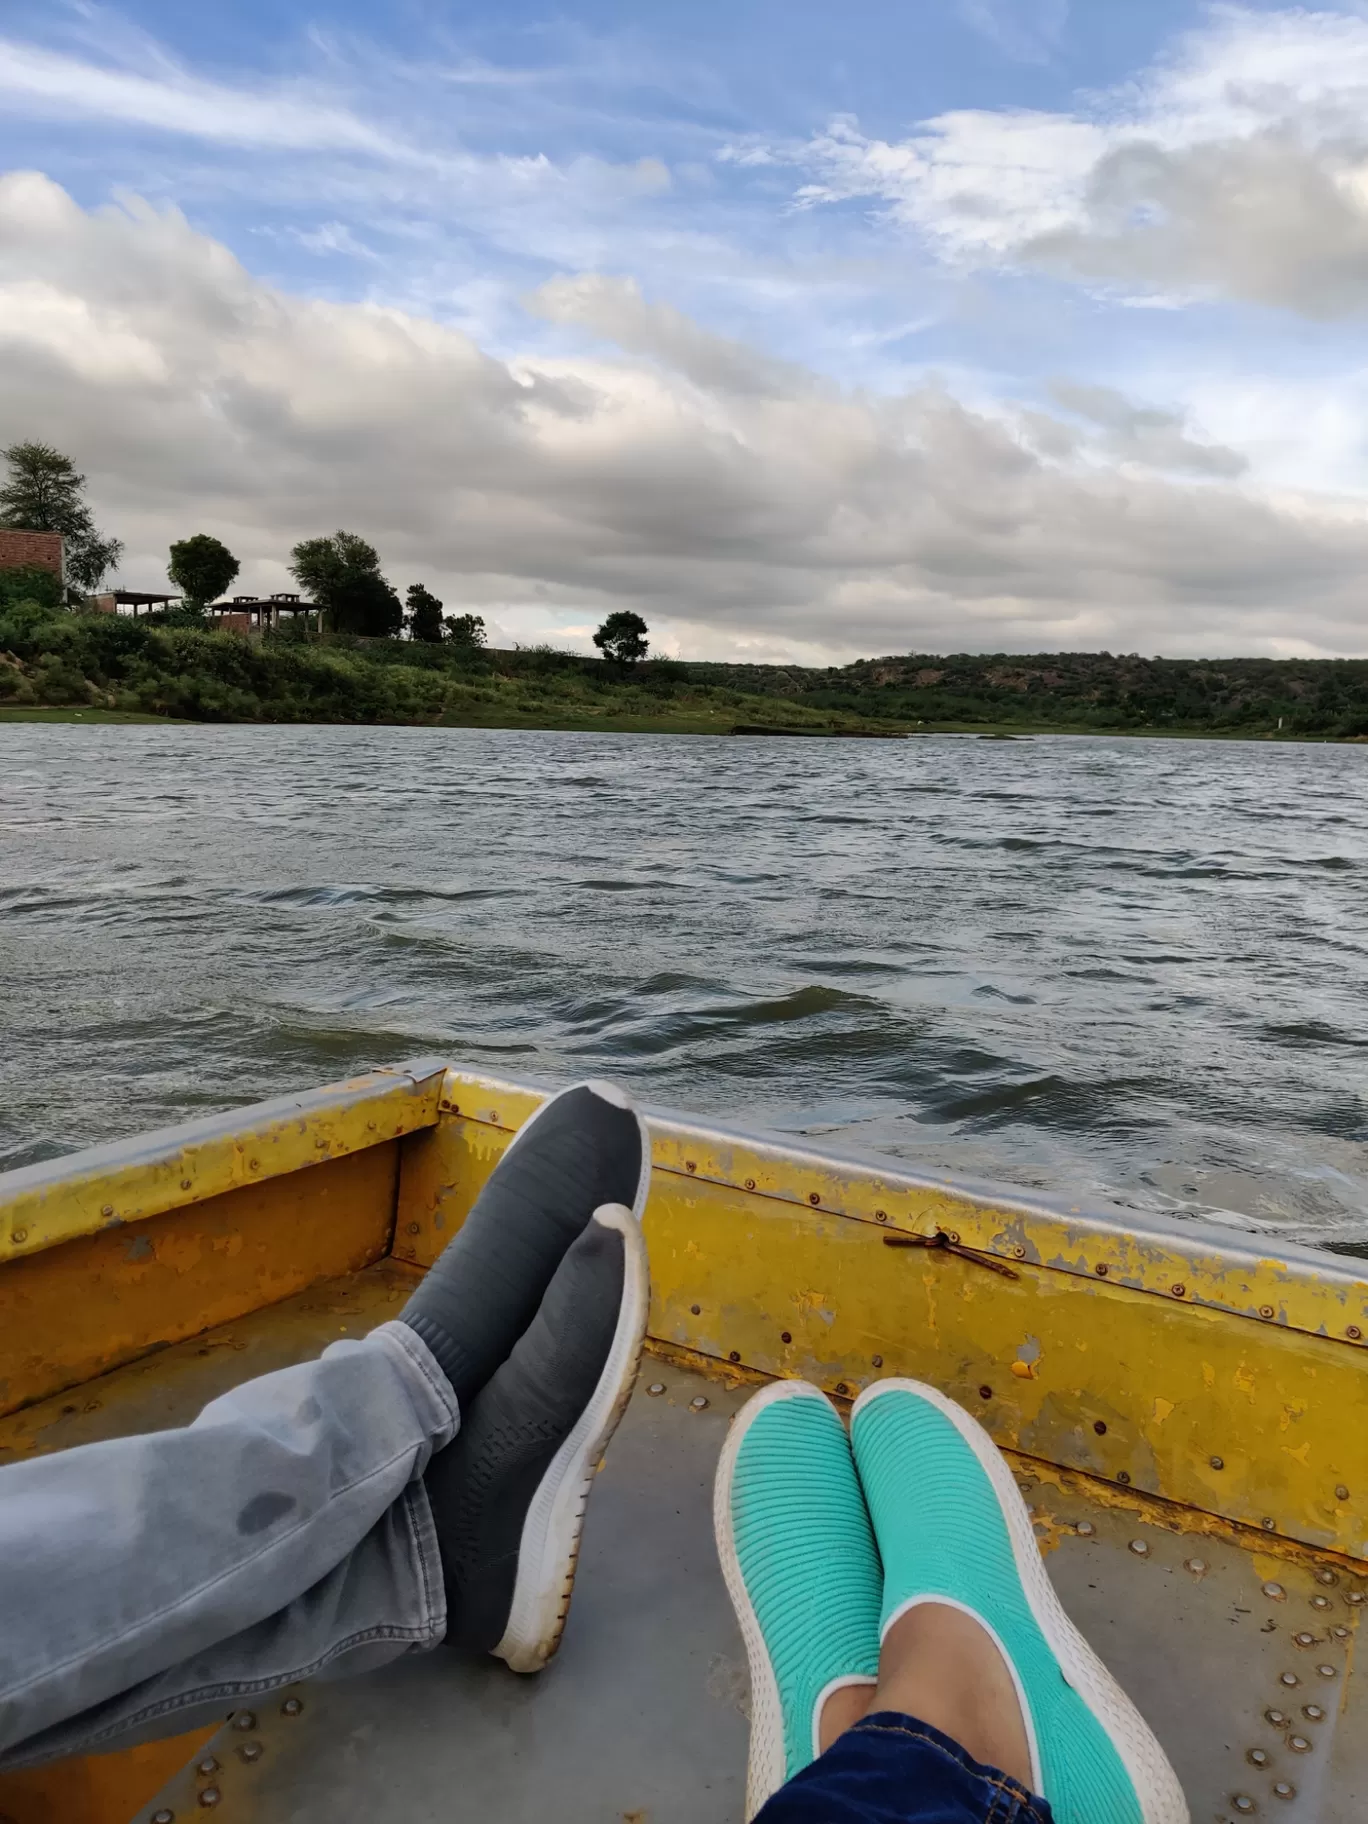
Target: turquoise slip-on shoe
<point>952,1528</point>
<point>801,1568</point>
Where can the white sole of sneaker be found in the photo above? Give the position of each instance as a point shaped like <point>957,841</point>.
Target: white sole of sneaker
<point>1156,1784</point>
<point>767,1767</point>
<point>548,1551</point>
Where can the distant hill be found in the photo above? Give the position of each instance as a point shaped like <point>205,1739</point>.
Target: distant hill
<point>1075,690</point>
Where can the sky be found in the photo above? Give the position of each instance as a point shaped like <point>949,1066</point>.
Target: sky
<point>809,331</point>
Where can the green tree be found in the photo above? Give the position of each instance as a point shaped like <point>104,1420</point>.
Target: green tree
<point>424,614</point>
<point>622,637</point>
<point>44,493</point>
<point>342,574</point>
<point>465,629</point>
<point>201,568</point>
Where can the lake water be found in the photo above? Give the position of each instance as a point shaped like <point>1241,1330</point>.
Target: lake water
<point>1130,971</point>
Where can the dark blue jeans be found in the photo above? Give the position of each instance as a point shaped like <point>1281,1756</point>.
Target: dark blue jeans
<point>891,1769</point>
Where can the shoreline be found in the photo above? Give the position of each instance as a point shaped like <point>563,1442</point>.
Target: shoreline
<point>697,724</point>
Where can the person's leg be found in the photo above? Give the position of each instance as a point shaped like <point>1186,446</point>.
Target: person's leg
<point>287,1533</point>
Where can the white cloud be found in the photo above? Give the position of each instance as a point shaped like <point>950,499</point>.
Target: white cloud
<point>1236,166</point>
<point>783,516</point>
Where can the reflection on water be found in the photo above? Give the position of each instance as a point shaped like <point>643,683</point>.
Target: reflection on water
<point>1125,970</point>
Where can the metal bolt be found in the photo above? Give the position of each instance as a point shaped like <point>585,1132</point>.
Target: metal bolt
<point>1268,1523</point>
<point>1100,1427</point>
<point>1180,1291</point>
<point>814,1197</point>
<point>785,1336</point>
<point>750,1184</point>
<point>1320,1602</point>
<point>250,1751</point>
<point>107,1209</point>
<point>1275,1717</point>
<point>690,1165</point>
<point>245,1721</point>
<point>1123,1475</point>
<point>1313,1713</point>
<point>21,1235</point>
<point>696,1310</point>
<point>1283,1790</point>
<point>1305,1640</point>
<point>185,1184</point>
<point>210,1797</point>
<point>876,1361</point>
<point>698,1402</point>
<point>1298,1744</point>
<point>881,1215</point>
<point>985,1392</point>
<point>1020,1252</point>
<point>1216,1462</point>
<point>733,1355</point>
<point>1341,1492</point>
<point>1326,1576</point>
<point>1355,1596</point>
<point>1085,1529</point>
<point>254,1165</point>
<point>1353,1332</point>
<point>1196,1565</point>
<point>207,1766</point>
<point>1241,1801</point>
<point>1289,1679</point>
<point>1265,1310</point>
<point>413,1227</point>
<point>1257,1757</point>
<point>292,1706</point>
<point>1139,1547</point>
<point>841,1387</point>
<point>1326,1671</point>
<point>1340,1633</point>
<point>1101,1269</point>
<point>163,1816</point>
<point>655,1389</point>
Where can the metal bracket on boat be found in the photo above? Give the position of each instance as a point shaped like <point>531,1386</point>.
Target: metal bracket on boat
<point>941,1240</point>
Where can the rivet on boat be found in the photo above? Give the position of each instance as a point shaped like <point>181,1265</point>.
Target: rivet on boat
<point>1268,1523</point>
<point>1355,1596</point>
<point>20,1235</point>
<point>245,1721</point>
<point>1139,1547</point>
<point>733,1355</point>
<point>1298,1744</point>
<point>1241,1801</point>
<point>107,1209</point>
<point>1320,1602</point>
<point>1101,1269</point>
<point>185,1184</point>
<point>210,1797</point>
<point>1353,1332</point>
<point>876,1361</point>
<point>1196,1565</point>
<point>1289,1678</point>
<point>750,1184</point>
<point>655,1389</point>
<point>1305,1640</point>
<point>1275,1590</point>
<point>785,1336</point>
<point>207,1766</point>
<point>1123,1475</point>
<point>1326,1671</point>
<point>985,1392</point>
<point>841,1387</point>
<point>1326,1576</point>
<point>1283,1789</point>
<point>814,1196</point>
<point>1265,1310</point>
<point>696,1310</point>
<point>698,1402</point>
<point>1085,1529</point>
<point>250,1751</point>
<point>881,1215</point>
<point>1100,1427</point>
<point>413,1228</point>
<point>163,1816</point>
<point>1180,1291</point>
<point>690,1165</point>
<point>291,1707</point>
<point>1341,1492</point>
<point>1216,1462</point>
<point>1340,1633</point>
<point>1257,1757</point>
<point>1313,1713</point>
<point>1275,1717</point>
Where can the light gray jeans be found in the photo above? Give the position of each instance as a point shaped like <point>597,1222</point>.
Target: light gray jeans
<point>149,1583</point>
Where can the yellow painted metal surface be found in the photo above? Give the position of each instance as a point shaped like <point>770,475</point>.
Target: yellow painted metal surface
<point>97,1788</point>
<point>1227,1389</point>
<point>111,1187</point>
<point>75,1311</point>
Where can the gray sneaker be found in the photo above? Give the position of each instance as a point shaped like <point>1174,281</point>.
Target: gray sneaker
<point>585,1147</point>
<point>508,1495</point>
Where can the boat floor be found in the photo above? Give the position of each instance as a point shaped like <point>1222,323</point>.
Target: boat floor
<point>641,1719</point>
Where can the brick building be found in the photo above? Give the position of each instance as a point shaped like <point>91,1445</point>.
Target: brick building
<point>36,550</point>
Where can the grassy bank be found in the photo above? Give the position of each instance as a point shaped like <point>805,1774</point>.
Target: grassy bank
<point>106,667</point>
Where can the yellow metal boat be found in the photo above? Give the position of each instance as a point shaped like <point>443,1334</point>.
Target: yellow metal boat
<point>1186,1408</point>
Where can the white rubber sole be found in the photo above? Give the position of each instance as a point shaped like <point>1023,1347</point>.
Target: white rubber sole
<point>1156,1784</point>
<point>767,1767</point>
<point>548,1550</point>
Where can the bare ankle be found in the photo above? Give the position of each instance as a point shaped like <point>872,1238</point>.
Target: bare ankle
<point>941,1665</point>
<point>841,1711</point>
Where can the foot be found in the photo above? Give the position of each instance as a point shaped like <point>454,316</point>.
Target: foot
<point>508,1494</point>
<point>803,1575</point>
<point>585,1147</point>
<point>956,1541</point>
